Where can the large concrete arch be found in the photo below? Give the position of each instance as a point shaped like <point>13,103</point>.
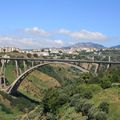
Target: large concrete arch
<point>13,87</point>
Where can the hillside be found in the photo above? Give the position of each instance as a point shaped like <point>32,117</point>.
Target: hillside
<point>86,45</point>
<point>117,46</point>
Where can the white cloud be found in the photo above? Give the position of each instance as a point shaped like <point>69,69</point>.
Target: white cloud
<point>29,42</point>
<point>5,38</point>
<point>16,41</point>
<point>83,34</point>
<point>58,42</point>
<point>88,35</point>
<point>37,31</point>
<point>78,35</point>
<point>24,42</point>
<point>63,31</point>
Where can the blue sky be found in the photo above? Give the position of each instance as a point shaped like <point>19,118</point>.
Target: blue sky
<point>56,23</point>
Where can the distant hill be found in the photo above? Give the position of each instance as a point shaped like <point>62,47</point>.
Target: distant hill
<point>117,46</point>
<point>85,45</point>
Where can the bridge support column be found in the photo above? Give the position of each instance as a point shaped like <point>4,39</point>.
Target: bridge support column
<point>97,68</point>
<point>25,66</point>
<point>2,75</point>
<point>2,67</point>
<point>4,79</point>
<point>89,66</point>
<point>0,82</point>
<point>93,58</point>
<point>109,59</point>
<point>17,69</point>
<point>32,63</point>
<point>20,71</point>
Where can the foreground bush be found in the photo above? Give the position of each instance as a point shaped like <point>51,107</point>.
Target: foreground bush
<point>50,116</point>
<point>100,116</point>
<point>104,106</point>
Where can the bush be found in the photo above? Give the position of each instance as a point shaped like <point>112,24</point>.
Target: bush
<point>35,55</point>
<point>29,55</point>
<point>106,84</point>
<point>63,98</point>
<point>85,108</point>
<point>5,109</point>
<point>50,100</point>
<point>74,100</point>
<point>78,106</point>
<point>91,112</point>
<point>50,116</point>
<point>87,94</point>
<point>100,116</point>
<point>104,106</point>
<point>53,99</point>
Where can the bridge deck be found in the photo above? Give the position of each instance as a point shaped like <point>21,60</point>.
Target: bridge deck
<point>62,60</point>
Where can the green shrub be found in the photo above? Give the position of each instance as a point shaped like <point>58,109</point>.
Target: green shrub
<point>104,106</point>
<point>50,116</point>
<point>91,113</point>
<point>85,108</point>
<point>5,109</point>
<point>100,116</point>
<point>74,100</point>
<point>106,84</point>
<point>53,99</point>
<point>87,94</point>
<point>63,98</point>
<point>79,104</point>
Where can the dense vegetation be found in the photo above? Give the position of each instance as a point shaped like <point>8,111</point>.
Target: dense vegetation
<point>81,95</point>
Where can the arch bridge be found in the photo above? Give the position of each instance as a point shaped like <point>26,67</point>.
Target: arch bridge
<point>82,65</point>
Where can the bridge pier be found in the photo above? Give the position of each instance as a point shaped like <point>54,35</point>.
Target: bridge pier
<point>97,68</point>
<point>2,75</point>
<point>4,79</point>
<point>89,66</point>
<point>20,71</point>
<point>32,63</point>
<point>109,59</point>
<point>25,66</point>
<point>17,69</point>
<point>0,82</point>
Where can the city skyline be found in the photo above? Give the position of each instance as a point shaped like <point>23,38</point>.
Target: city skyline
<point>58,23</point>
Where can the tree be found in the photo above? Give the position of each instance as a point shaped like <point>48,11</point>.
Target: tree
<point>15,51</point>
<point>53,99</point>
<point>29,55</point>
<point>35,55</point>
